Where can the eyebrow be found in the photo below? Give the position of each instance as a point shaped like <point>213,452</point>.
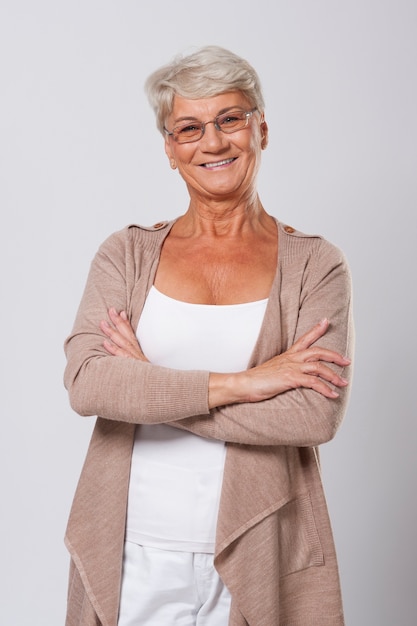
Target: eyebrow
<point>191,118</point>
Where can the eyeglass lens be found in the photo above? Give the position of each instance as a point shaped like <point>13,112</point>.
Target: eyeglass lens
<point>227,122</point>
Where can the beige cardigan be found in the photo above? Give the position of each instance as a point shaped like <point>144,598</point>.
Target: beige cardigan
<point>274,545</point>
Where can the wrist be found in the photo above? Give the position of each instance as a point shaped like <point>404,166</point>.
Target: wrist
<point>224,389</point>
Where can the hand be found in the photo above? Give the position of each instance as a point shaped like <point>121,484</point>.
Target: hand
<point>122,340</point>
<point>303,365</point>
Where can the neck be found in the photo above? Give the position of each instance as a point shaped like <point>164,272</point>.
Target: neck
<point>223,219</point>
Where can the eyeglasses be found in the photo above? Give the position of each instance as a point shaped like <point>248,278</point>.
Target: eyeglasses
<point>229,122</point>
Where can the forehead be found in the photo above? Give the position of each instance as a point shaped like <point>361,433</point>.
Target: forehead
<point>207,108</point>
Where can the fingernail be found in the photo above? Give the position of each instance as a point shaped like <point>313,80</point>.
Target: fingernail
<point>123,315</point>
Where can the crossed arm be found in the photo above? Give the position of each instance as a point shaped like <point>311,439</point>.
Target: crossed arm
<point>303,365</point>
<point>252,406</point>
<point>298,397</point>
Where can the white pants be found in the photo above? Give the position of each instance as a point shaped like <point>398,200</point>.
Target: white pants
<point>169,588</point>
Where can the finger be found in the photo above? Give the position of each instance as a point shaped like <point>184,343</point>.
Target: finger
<point>125,336</point>
<point>118,345</point>
<point>322,371</point>
<point>306,340</point>
<point>106,328</point>
<point>318,385</point>
<point>112,348</point>
<point>122,324</point>
<point>115,335</point>
<point>317,353</point>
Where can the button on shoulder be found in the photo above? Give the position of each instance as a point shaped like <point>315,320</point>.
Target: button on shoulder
<point>159,225</point>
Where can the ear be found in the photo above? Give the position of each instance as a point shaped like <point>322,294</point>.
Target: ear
<point>264,134</point>
<point>170,156</point>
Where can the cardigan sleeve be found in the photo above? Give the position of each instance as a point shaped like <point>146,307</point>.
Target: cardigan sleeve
<point>139,392</point>
<point>298,417</point>
<point>115,387</point>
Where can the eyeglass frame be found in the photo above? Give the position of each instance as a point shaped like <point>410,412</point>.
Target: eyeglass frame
<point>248,115</point>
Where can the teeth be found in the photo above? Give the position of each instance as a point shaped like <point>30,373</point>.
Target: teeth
<point>224,162</point>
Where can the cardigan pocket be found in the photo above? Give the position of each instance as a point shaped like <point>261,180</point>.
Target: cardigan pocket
<point>299,542</point>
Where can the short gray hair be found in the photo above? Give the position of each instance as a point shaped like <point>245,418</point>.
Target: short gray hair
<point>208,72</point>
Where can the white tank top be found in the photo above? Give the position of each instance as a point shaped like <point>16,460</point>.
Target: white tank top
<point>176,476</point>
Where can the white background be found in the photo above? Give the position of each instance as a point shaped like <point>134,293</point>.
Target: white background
<point>80,157</point>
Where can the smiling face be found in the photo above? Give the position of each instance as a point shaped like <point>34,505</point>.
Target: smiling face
<point>219,165</point>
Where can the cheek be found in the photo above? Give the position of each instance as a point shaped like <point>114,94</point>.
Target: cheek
<point>255,146</point>
<point>183,153</point>
<point>250,141</point>
<point>168,150</point>
<point>256,139</point>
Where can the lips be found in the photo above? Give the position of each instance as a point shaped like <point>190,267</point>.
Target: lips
<point>218,163</point>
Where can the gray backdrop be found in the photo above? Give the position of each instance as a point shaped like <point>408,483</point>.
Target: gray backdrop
<point>80,157</point>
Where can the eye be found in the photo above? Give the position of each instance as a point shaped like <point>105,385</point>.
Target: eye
<point>231,119</point>
<point>188,129</point>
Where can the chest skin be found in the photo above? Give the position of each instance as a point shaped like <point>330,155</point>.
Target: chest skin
<point>221,270</point>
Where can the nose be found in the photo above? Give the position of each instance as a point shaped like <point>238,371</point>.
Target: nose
<point>213,137</point>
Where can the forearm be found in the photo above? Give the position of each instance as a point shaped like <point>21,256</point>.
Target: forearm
<point>133,391</point>
<point>122,388</point>
<point>301,416</point>
<point>298,417</point>
<point>253,407</point>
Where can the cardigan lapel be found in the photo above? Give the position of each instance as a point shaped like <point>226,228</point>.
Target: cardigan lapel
<point>95,532</point>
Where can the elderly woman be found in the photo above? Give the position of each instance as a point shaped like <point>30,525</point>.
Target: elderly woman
<point>215,349</point>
